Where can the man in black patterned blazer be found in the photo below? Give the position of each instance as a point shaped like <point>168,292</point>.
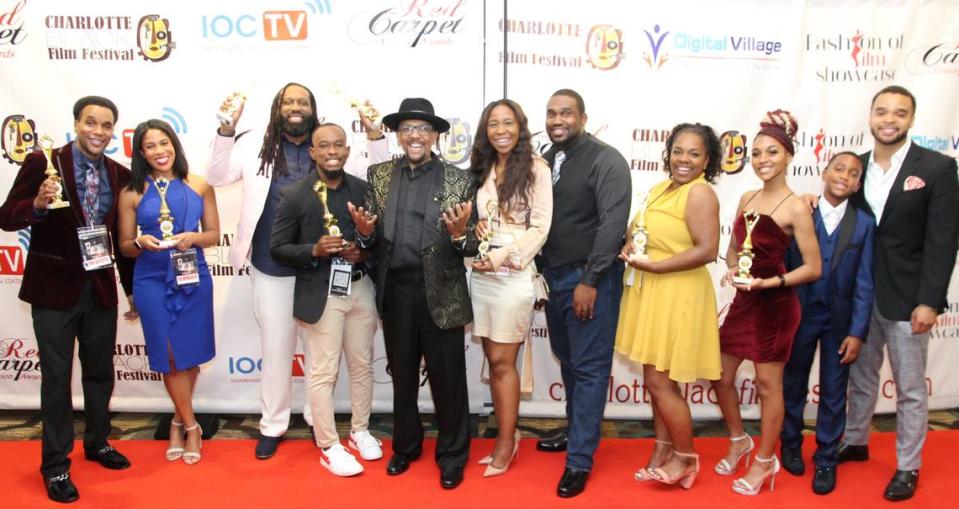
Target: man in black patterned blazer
<point>419,226</point>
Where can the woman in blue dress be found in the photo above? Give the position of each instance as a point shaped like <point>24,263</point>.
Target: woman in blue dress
<point>172,290</point>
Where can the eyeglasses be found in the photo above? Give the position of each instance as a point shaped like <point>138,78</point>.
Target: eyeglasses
<point>421,128</point>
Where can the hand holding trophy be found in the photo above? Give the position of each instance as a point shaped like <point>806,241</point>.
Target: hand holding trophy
<point>56,201</point>
<point>492,207</point>
<point>165,219</point>
<point>230,111</point>
<point>744,277</point>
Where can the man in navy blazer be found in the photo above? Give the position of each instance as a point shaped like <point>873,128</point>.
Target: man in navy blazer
<point>836,310</point>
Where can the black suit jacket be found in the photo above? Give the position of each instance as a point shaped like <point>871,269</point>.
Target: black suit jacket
<point>297,227</point>
<point>917,235</point>
<point>54,275</point>
<point>444,272</point>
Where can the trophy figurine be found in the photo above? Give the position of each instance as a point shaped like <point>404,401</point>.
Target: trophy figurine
<point>46,144</point>
<point>329,221</point>
<point>165,219</point>
<point>639,235</point>
<point>743,277</point>
<point>225,114</point>
<point>484,246</point>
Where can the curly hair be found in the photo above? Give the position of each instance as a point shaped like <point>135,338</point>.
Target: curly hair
<point>518,174</point>
<point>714,151</point>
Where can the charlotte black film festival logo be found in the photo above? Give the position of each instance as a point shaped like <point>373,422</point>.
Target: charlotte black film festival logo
<point>19,138</point>
<point>153,38</point>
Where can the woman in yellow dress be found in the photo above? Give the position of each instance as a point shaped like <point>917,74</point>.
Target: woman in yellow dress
<point>667,319</point>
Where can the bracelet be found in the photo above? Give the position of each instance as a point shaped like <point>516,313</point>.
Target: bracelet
<point>782,281</point>
<point>461,238</point>
<point>381,136</point>
<point>136,242</point>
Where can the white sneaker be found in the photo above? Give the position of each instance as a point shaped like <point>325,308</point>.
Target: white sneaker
<point>339,461</point>
<point>364,443</point>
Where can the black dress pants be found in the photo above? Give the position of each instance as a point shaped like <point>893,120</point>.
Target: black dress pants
<point>95,330</point>
<point>410,335</point>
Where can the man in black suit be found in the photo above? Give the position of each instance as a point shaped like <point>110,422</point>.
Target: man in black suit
<point>422,293</point>
<point>72,305</point>
<point>333,297</point>
<point>912,194</point>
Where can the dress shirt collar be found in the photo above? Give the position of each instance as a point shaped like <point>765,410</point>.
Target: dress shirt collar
<point>895,162</point>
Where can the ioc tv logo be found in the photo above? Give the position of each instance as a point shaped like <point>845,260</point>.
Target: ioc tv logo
<point>279,25</point>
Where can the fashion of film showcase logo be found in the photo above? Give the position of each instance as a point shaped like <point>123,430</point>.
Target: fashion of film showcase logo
<point>856,57</point>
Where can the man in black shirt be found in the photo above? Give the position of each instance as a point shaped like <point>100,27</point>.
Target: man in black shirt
<point>591,193</point>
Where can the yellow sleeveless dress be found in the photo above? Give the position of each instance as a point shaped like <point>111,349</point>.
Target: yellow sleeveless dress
<point>669,320</point>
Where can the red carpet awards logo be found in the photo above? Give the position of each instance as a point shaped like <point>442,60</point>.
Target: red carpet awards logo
<point>11,27</point>
<point>19,359</point>
<point>856,57</point>
<point>940,57</point>
<point>107,37</point>
<point>19,138</point>
<point>410,23</point>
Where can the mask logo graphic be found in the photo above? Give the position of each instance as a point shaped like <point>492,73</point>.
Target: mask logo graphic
<point>19,138</point>
<point>734,152</point>
<point>455,144</point>
<point>604,47</point>
<point>153,38</point>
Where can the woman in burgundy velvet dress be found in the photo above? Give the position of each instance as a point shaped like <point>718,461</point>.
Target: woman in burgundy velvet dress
<point>765,313</point>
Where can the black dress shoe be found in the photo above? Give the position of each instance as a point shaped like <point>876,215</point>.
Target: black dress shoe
<point>109,458</point>
<point>792,461</point>
<point>572,483</point>
<point>824,481</point>
<point>266,447</point>
<point>556,443</point>
<point>450,477</point>
<point>61,489</point>
<point>902,485</point>
<point>400,463</point>
<point>846,452</point>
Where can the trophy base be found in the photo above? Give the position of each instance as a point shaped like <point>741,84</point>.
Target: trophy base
<point>745,281</point>
<point>167,244</point>
<point>638,257</point>
<point>57,205</point>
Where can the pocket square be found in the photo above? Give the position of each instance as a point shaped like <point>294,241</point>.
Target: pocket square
<point>912,183</point>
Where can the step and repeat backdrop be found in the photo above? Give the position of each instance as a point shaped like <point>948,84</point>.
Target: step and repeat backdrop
<point>640,68</point>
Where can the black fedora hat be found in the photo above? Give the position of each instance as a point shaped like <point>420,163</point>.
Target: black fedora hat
<point>416,108</point>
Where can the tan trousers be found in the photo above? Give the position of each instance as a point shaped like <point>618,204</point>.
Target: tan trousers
<point>347,325</point>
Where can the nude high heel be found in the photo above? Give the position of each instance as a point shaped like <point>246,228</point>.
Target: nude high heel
<point>193,457</point>
<point>174,453</point>
<point>725,468</point>
<point>492,471</point>
<point>646,473</point>
<point>684,479</point>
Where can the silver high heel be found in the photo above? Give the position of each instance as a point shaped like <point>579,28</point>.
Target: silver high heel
<point>743,488</point>
<point>725,468</point>
<point>174,453</point>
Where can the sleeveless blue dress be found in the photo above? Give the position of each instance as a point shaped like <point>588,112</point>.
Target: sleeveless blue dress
<point>176,320</point>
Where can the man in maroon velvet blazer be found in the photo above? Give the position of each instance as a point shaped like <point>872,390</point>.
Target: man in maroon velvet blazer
<point>68,301</point>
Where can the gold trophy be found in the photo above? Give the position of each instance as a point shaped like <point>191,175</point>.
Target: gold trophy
<point>492,207</point>
<point>46,144</point>
<point>165,219</point>
<point>225,114</point>
<point>329,221</point>
<point>743,277</point>
<point>640,237</point>
<point>367,110</point>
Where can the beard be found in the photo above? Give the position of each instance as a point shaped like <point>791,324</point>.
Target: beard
<point>895,141</point>
<point>333,174</point>
<point>300,129</point>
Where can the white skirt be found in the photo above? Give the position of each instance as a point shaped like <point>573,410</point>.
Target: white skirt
<point>503,304</point>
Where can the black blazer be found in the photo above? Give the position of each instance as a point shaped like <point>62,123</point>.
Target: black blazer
<point>917,235</point>
<point>297,227</point>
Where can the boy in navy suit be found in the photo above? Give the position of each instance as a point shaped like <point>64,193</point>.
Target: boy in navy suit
<point>836,310</point>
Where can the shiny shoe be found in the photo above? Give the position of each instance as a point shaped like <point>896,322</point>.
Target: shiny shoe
<point>743,488</point>
<point>193,457</point>
<point>846,452</point>
<point>902,486</point>
<point>555,443</point>
<point>646,473</point>
<point>724,467</point>
<point>492,471</point>
<point>398,464</point>
<point>108,457</point>
<point>684,479</point>
<point>174,453</point>
<point>824,481</point>
<point>451,477</point>
<point>572,483</point>
<point>61,489</point>
<point>792,461</point>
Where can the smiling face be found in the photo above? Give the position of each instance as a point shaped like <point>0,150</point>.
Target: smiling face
<point>564,121</point>
<point>158,150</point>
<point>94,130</point>
<point>502,129</point>
<point>769,158</point>
<point>415,143</point>
<point>330,150</point>
<point>890,118</point>
<point>687,157</point>
<point>296,111</point>
<point>842,177</point>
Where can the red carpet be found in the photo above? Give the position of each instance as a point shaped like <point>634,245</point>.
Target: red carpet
<point>229,476</point>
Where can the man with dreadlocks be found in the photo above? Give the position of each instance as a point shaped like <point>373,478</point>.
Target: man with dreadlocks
<point>283,158</point>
